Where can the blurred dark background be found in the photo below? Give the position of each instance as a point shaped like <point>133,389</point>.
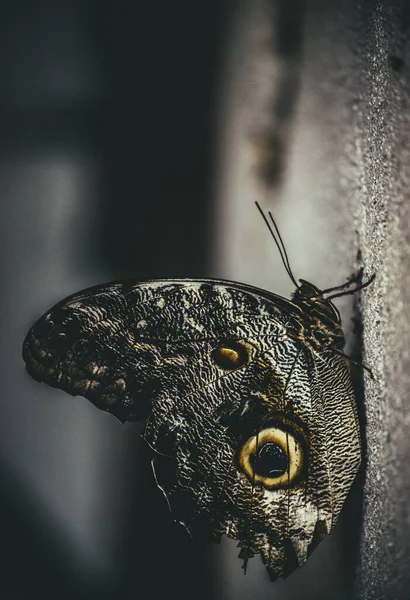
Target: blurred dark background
<point>133,86</point>
<point>105,161</point>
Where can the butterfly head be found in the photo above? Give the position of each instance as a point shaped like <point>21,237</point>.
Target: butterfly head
<point>311,298</point>
<point>321,319</point>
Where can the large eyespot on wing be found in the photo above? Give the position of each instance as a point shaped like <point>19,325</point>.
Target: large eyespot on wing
<point>274,457</point>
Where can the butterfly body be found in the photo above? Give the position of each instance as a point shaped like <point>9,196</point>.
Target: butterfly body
<point>250,412</point>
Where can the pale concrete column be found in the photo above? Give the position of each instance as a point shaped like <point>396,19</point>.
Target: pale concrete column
<point>297,122</point>
<point>384,239</point>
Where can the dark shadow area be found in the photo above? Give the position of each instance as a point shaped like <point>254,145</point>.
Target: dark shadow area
<point>352,515</point>
<point>132,87</point>
<point>33,558</point>
<point>156,157</point>
<point>160,558</point>
<point>157,136</point>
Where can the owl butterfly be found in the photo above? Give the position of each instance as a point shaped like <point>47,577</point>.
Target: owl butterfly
<point>247,396</point>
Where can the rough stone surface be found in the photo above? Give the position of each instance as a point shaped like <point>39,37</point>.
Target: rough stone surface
<point>384,241</point>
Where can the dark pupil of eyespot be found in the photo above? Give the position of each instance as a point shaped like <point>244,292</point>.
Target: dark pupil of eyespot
<point>269,461</point>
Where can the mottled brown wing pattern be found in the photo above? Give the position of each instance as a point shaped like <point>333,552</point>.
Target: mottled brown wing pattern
<point>253,422</point>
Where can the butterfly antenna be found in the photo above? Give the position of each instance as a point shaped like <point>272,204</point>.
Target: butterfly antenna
<point>280,246</point>
<point>289,270</point>
<point>354,290</point>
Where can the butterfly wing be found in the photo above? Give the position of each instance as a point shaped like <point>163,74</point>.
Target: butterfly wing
<point>251,434</point>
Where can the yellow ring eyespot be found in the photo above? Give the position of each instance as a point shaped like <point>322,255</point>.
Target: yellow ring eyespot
<point>230,355</point>
<point>274,458</point>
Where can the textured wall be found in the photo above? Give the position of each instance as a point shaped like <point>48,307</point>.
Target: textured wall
<point>384,240</point>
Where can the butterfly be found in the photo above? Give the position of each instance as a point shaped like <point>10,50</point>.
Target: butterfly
<point>247,396</point>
